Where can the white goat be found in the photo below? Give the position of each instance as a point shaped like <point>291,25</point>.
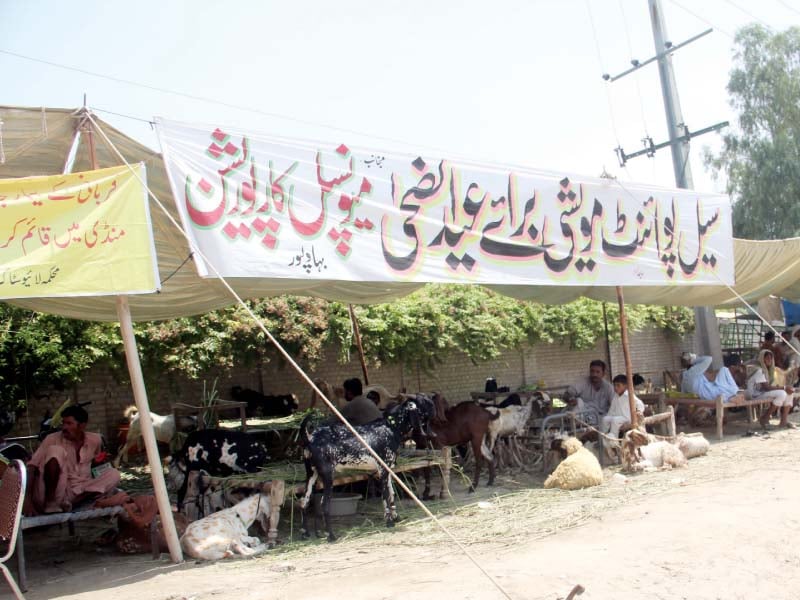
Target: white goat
<point>163,426</point>
<point>224,533</point>
<point>511,420</point>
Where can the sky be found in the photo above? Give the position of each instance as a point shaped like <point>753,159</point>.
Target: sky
<point>508,81</point>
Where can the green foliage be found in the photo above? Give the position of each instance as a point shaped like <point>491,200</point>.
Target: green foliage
<point>38,351</point>
<point>761,159</point>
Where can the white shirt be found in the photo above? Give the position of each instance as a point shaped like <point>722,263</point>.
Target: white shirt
<point>620,407</point>
<point>753,383</point>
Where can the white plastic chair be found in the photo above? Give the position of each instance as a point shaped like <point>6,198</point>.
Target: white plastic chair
<point>12,494</point>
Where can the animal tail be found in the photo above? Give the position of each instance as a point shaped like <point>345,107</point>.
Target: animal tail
<point>485,452</point>
<point>305,434</point>
<point>131,411</point>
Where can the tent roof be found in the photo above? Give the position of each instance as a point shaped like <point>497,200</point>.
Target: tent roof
<point>37,141</point>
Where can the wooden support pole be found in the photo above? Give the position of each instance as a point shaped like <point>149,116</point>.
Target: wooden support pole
<point>146,426</point>
<point>357,335</point>
<point>608,342</point>
<point>623,325</point>
<point>140,398</point>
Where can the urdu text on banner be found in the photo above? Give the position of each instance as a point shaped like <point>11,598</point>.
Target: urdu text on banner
<point>260,206</point>
<point>79,234</point>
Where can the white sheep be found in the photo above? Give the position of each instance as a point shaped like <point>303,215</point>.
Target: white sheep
<point>224,533</point>
<point>580,469</point>
<point>693,445</point>
<point>163,427</point>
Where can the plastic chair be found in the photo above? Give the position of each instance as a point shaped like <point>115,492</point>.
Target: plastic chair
<point>12,493</point>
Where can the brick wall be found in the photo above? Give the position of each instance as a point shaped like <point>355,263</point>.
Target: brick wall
<point>652,351</point>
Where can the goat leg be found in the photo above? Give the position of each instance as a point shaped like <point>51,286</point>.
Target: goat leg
<point>426,493</point>
<point>311,479</point>
<point>389,509</point>
<point>327,493</point>
<point>476,452</point>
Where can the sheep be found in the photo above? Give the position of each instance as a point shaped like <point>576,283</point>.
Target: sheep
<point>163,426</point>
<point>224,533</point>
<point>329,448</point>
<point>693,445</point>
<point>580,469</point>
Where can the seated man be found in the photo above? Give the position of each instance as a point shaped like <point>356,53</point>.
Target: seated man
<point>595,391</point>
<point>60,471</point>
<point>619,412</point>
<point>696,381</point>
<point>359,409</point>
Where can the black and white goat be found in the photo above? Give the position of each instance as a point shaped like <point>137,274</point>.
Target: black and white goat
<point>216,451</point>
<point>330,448</point>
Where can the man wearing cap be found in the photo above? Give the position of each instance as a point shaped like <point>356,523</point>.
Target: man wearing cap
<point>696,381</point>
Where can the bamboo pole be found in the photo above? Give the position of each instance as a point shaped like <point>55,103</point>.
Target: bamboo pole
<point>140,398</point>
<point>608,342</point>
<point>623,325</point>
<point>357,335</point>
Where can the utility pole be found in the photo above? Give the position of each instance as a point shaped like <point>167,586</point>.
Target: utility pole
<point>707,329</point>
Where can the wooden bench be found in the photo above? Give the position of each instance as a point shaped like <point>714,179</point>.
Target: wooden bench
<point>719,405</point>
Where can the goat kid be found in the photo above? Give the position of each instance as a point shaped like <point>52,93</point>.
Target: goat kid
<point>216,451</point>
<point>224,533</point>
<point>163,427</point>
<point>331,448</point>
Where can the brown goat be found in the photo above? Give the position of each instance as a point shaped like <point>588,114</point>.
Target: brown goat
<point>465,423</point>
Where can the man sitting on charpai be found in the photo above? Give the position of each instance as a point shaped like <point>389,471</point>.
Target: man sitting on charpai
<point>699,381</point>
<point>60,471</point>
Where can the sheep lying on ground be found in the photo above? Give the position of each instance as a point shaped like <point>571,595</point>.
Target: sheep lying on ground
<point>693,445</point>
<point>578,470</point>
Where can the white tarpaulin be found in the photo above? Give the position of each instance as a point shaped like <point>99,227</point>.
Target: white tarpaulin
<point>260,206</point>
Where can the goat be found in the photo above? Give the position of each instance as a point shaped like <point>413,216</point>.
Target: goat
<point>511,421</point>
<point>259,404</point>
<point>163,426</point>
<point>464,423</point>
<point>216,451</point>
<point>329,448</point>
<point>224,533</point>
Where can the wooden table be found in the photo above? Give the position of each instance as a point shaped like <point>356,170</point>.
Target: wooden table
<point>192,410</point>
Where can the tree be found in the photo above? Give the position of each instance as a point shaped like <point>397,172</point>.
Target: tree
<point>761,158</point>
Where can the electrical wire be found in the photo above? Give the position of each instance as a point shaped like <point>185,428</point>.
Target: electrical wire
<point>790,7</point>
<point>636,74</point>
<point>749,14</point>
<point>703,19</point>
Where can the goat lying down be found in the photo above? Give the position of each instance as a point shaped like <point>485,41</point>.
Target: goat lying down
<point>224,533</point>
<point>644,452</point>
<point>330,448</point>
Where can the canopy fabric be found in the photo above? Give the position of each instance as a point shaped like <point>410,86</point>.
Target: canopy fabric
<point>37,141</point>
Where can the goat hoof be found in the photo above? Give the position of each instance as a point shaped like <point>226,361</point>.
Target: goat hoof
<point>471,489</point>
<point>331,538</point>
<point>304,535</point>
<point>427,497</point>
<point>389,523</point>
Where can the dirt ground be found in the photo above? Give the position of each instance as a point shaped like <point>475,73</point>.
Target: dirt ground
<point>725,527</point>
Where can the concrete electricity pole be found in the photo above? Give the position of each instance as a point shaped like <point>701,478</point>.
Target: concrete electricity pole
<point>707,338</point>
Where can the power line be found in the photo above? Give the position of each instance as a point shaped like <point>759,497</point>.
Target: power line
<point>634,62</point>
<point>790,7</point>
<point>602,70</point>
<point>749,14</point>
<point>703,19</point>
<point>213,100</point>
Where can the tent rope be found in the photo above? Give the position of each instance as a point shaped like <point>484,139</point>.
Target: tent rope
<point>299,369</point>
<point>2,149</point>
<point>180,266</point>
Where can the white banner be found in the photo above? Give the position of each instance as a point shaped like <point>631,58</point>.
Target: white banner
<point>260,206</point>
